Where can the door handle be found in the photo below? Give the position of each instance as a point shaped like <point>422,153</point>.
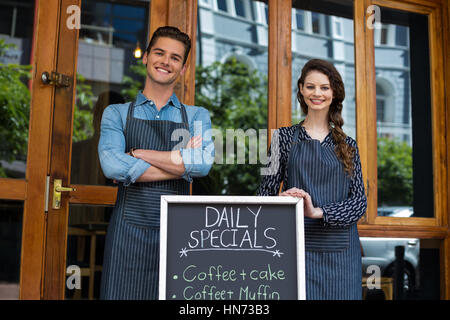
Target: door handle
<point>57,189</point>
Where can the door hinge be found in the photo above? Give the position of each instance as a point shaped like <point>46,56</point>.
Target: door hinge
<point>47,189</point>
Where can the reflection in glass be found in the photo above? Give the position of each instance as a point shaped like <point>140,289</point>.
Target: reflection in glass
<point>324,30</point>
<point>231,82</point>
<point>11,216</point>
<point>107,73</point>
<point>85,246</point>
<point>403,115</point>
<point>419,277</point>
<point>16,33</point>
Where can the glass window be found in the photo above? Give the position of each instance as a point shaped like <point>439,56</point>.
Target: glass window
<point>380,109</point>
<point>405,168</point>
<point>85,248</point>
<point>266,12</point>
<point>315,20</point>
<point>337,27</point>
<point>300,19</point>
<point>112,24</point>
<point>231,82</point>
<point>16,33</point>
<point>240,8</point>
<point>384,35</point>
<point>337,49</point>
<point>11,218</point>
<point>222,5</point>
<point>107,73</point>
<point>419,278</point>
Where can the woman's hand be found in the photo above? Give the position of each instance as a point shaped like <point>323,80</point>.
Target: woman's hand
<point>310,210</point>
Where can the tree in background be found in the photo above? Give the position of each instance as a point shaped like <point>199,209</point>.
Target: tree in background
<point>14,109</point>
<point>83,114</point>
<point>132,85</point>
<point>395,173</point>
<point>236,98</point>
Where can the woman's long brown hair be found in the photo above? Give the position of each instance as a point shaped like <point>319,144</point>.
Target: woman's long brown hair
<point>344,152</point>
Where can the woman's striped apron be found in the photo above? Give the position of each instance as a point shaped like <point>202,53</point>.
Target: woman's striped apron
<point>333,256</point>
<point>131,259</point>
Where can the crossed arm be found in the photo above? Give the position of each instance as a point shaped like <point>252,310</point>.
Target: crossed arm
<point>165,165</point>
<point>150,165</point>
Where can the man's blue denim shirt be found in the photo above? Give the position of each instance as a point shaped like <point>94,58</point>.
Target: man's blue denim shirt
<point>116,164</point>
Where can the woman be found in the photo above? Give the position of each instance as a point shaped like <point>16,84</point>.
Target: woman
<point>319,163</point>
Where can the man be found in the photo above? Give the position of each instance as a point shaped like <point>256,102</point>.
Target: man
<point>140,148</point>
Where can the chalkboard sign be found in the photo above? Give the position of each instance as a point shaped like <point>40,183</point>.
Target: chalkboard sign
<point>231,248</point>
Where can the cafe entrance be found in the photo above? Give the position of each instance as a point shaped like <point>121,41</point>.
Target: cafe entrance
<point>62,62</point>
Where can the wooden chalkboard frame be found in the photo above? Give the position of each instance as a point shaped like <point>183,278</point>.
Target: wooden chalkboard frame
<point>298,203</point>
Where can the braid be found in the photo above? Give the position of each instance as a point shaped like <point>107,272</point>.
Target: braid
<point>344,152</point>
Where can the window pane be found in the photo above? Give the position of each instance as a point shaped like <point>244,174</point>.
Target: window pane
<point>420,273</point>
<point>339,51</point>
<point>107,73</point>
<point>85,248</point>
<point>240,9</point>
<point>222,5</point>
<point>16,33</point>
<point>231,82</point>
<point>11,213</point>
<point>300,18</point>
<point>315,22</point>
<point>405,169</point>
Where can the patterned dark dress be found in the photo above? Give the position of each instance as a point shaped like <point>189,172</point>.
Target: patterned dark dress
<point>332,247</point>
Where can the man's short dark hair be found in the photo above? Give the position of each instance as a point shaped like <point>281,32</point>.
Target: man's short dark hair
<point>173,33</point>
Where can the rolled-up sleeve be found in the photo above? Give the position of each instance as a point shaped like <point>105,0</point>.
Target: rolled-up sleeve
<point>198,161</point>
<point>115,163</point>
<point>350,210</point>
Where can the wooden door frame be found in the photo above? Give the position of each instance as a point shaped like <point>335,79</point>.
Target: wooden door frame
<point>60,157</point>
<point>41,107</point>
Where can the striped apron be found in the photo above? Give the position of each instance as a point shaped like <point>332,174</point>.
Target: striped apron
<point>333,257</point>
<point>131,258</point>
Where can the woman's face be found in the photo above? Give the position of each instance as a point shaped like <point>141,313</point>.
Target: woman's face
<point>317,91</point>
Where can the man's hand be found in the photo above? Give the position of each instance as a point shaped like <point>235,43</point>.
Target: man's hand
<point>194,142</point>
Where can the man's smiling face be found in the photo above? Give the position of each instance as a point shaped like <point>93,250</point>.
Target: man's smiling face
<point>165,61</point>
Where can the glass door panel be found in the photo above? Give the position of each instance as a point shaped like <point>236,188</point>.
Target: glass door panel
<point>403,104</point>
<point>16,34</point>
<point>85,246</point>
<point>324,30</point>
<point>16,40</point>
<point>418,259</point>
<point>108,72</point>
<point>231,82</point>
<point>10,246</point>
